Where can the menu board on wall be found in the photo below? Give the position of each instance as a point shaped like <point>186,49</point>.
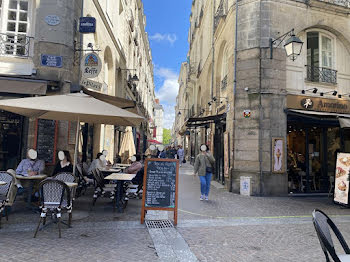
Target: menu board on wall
<point>72,133</point>
<point>341,184</point>
<point>160,186</point>
<point>46,140</point>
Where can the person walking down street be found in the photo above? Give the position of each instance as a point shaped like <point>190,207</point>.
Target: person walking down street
<point>203,166</point>
<point>180,154</point>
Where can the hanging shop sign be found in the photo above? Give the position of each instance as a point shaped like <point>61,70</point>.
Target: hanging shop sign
<point>90,84</point>
<point>87,24</point>
<point>319,104</point>
<point>247,113</point>
<point>91,65</point>
<point>341,183</point>
<point>51,60</point>
<point>52,19</point>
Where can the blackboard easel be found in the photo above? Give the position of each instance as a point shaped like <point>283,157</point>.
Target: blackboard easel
<point>163,176</point>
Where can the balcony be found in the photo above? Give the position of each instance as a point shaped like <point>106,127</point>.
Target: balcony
<point>224,83</point>
<point>342,3</point>
<point>15,45</point>
<point>321,74</point>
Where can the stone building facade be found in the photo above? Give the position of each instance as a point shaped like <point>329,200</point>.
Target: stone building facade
<point>158,121</point>
<point>40,52</point>
<point>275,136</point>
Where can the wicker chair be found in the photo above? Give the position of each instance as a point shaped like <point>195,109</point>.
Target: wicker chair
<point>54,198</point>
<point>82,183</point>
<point>65,177</point>
<point>103,189</point>
<point>322,225</point>
<point>4,192</point>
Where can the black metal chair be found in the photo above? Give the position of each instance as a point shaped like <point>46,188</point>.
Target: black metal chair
<point>322,224</point>
<point>54,197</point>
<point>4,192</point>
<point>103,189</point>
<point>82,183</point>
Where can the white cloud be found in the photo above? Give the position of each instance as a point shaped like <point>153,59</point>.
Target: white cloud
<point>171,38</point>
<point>167,93</point>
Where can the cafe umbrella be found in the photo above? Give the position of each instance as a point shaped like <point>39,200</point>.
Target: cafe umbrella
<point>77,107</point>
<point>127,148</point>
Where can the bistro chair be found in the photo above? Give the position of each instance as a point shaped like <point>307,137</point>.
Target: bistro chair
<point>322,225</point>
<point>82,183</point>
<point>65,177</point>
<point>4,192</point>
<point>54,197</point>
<point>103,189</point>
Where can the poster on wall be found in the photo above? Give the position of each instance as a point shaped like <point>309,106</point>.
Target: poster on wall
<point>278,157</point>
<point>226,154</point>
<point>341,183</point>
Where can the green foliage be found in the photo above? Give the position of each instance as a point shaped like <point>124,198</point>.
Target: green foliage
<point>166,136</point>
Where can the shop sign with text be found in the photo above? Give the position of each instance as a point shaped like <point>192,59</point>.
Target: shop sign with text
<point>91,65</point>
<point>87,83</point>
<point>318,104</point>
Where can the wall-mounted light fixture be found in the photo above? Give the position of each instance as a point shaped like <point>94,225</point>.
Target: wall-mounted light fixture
<point>292,46</point>
<point>334,93</point>
<point>314,90</point>
<point>340,96</point>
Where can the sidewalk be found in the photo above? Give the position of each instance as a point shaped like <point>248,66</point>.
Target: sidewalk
<point>228,227</point>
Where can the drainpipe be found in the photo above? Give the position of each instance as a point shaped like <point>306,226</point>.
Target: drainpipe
<point>234,92</point>
<point>213,51</point>
<point>260,113</point>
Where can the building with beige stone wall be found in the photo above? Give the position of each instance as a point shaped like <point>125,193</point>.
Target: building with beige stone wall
<point>282,116</point>
<point>40,52</point>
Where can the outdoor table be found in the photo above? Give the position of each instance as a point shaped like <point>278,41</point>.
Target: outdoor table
<point>120,178</point>
<point>107,172</point>
<point>31,180</point>
<point>122,165</point>
<point>2,183</point>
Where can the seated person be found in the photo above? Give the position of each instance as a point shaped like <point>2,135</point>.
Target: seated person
<point>135,166</point>
<point>65,163</point>
<point>117,160</point>
<point>31,166</point>
<point>107,162</point>
<point>97,163</point>
<point>138,179</point>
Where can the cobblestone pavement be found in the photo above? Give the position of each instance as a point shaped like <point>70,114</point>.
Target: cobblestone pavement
<point>228,227</point>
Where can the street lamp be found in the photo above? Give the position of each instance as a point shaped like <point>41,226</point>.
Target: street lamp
<point>334,93</point>
<point>314,90</point>
<point>293,45</point>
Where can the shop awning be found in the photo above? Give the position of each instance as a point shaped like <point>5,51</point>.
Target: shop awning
<point>203,121</point>
<point>22,86</point>
<point>344,119</point>
<point>123,103</point>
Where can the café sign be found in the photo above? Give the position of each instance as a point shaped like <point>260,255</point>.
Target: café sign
<point>91,65</point>
<point>318,104</point>
<point>87,83</point>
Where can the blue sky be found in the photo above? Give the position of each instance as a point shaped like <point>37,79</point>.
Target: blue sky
<point>167,27</point>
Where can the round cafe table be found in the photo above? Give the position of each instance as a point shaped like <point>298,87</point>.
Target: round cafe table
<point>30,182</point>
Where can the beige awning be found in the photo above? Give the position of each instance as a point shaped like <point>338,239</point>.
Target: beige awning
<point>123,103</point>
<point>22,86</point>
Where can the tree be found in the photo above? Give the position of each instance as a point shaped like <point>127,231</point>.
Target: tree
<point>166,136</point>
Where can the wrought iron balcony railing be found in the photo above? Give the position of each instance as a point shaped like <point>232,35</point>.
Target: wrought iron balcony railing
<point>321,74</point>
<point>15,45</point>
<point>224,83</point>
<point>221,12</point>
<point>344,3</point>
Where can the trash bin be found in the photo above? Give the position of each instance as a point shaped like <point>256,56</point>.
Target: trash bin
<point>245,186</point>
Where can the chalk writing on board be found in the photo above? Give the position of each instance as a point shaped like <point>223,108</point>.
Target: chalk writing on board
<point>46,140</point>
<point>160,184</point>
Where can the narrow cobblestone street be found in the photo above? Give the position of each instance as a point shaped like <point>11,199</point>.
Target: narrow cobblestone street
<point>228,227</point>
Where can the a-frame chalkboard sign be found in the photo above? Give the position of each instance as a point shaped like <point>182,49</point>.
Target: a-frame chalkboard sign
<point>160,186</point>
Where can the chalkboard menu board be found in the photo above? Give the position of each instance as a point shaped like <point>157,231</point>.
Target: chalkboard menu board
<point>46,140</point>
<point>160,186</point>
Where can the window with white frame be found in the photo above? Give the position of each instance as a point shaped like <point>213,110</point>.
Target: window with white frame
<point>14,27</point>
<point>320,58</point>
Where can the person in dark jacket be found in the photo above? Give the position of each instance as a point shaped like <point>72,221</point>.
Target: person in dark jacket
<point>64,164</point>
